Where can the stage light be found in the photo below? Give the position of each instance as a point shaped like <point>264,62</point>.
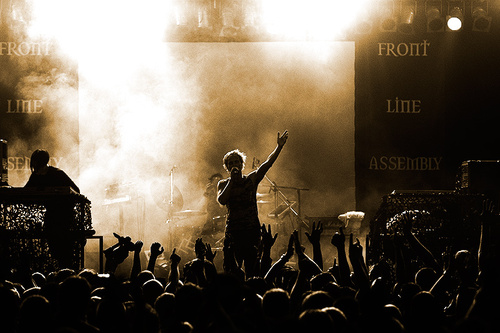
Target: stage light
<point>481,21</point>
<point>455,17</point>
<point>407,16</point>
<point>231,19</point>
<point>387,17</point>
<point>434,15</point>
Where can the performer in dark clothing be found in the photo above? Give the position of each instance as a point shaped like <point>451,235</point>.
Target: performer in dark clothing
<point>44,175</point>
<point>239,194</point>
<point>58,214</point>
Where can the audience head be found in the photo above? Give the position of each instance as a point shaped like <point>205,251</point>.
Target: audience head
<point>319,281</point>
<point>315,320</point>
<point>426,277</point>
<point>276,303</point>
<point>317,299</point>
<point>338,317</point>
<point>151,290</point>
<point>38,279</point>
<point>258,285</point>
<point>74,296</point>
<point>35,315</point>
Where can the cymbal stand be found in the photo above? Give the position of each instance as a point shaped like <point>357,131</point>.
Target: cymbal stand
<point>170,213</point>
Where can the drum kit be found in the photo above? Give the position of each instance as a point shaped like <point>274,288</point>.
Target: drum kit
<point>169,198</point>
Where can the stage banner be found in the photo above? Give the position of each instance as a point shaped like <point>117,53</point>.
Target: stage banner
<point>38,97</point>
<point>424,103</point>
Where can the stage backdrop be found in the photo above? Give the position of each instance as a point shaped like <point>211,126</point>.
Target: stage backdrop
<point>424,103</point>
<point>181,106</point>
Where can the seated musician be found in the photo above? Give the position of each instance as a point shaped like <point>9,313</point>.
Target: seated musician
<point>59,213</point>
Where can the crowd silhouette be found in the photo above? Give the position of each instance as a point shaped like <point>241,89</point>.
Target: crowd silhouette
<point>450,292</point>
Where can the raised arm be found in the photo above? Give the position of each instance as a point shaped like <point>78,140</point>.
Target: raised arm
<point>360,270</point>
<point>314,238</point>
<point>267,164</point>
<point>267,243</point>
<point>173,277</point>
<point>408,218</point>
<point>281,262</point>
<point>136,263</point>
<point>338,240</point>
<point>156,251</point>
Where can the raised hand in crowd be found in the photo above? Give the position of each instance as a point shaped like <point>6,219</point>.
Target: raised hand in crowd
<point>209,254</point>
<point>334,270</point>
<point>344,271</point>
<point>485,303</point>
<point>306,264</point>
<point>200,270</point>
<point>267,242</point>
<point>117,253</point>
<point>489,247</point>
<point>173,277</point>
<point>194,272</point>
<point>277,267</point>
<point>360,270</point>
<point>156,250</point>
<point>230,265</point>
<point>136,264</point>
<point>307,269</point>
<point>409,218</point>
<point>200,249</point>
<point>402,265</point>
<point>314,238</point>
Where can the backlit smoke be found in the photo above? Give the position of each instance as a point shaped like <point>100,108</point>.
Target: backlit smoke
<point>147,108</point>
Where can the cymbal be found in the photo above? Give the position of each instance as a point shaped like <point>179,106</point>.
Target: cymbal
<point>190,213</point>
<point>160,191</point>
<point>264,202</point>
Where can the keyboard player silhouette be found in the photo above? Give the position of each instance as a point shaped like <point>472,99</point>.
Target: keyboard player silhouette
<point>58,215</point>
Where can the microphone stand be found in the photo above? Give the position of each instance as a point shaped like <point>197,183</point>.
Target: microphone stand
<point>279,194</point>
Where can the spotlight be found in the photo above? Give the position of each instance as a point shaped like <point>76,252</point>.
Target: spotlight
<point>407,16</point>
<point>481,21</point>
<point>455,17</point>
<point>433,12</point>
<point>388,22</point>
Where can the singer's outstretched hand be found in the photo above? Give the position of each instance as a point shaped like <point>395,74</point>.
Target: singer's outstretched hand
<point>282,138</point>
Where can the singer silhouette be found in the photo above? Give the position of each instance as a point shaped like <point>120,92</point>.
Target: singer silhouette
<point>239,194</point>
